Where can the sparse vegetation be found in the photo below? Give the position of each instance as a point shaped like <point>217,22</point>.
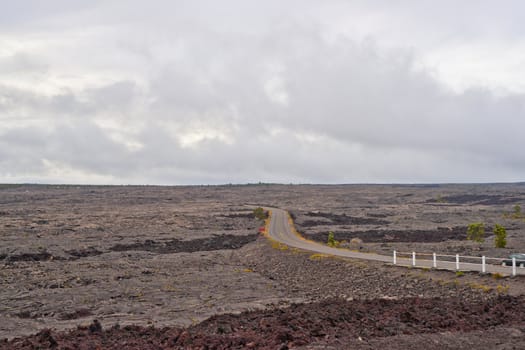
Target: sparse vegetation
<point>440,199</point>
<point>279,246</point>
<point>318,256</point>
<point>476,232</point>
<point>517,211</point>
<point>482,287</point>
<point>497,276</point>
<point>500,239</point>
<point>502,289</point>
<point>460,273</point>
<point>331,240</point>
<point>260,213</point>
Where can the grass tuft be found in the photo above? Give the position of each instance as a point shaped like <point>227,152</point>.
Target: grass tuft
<point>497,276</point>
<point>502,289</point>
<point>318,256</point>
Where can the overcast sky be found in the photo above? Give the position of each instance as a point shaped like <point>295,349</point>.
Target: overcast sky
<point>211,92</point>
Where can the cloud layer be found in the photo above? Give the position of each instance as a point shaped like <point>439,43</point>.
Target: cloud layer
<point>179,93</point>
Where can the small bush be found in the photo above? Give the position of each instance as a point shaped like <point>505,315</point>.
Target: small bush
<point>331,240</point>
<point>476,232</point>
<point>500,239</point>
<point>460,273</point>
<point>279,245</point>
<point>260,214</point>
<point>497,275</point>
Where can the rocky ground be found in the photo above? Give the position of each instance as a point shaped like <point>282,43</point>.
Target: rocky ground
<point>424,218</point>
<point>183,267</point>
<point>333,323</point>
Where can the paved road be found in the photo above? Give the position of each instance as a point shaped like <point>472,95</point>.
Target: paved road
<point>281,229</point>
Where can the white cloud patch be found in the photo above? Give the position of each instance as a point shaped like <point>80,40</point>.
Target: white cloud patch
<point>275,89</point>
<point>186,93</point>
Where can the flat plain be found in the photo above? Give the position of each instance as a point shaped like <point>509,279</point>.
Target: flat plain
<point>185,267</point>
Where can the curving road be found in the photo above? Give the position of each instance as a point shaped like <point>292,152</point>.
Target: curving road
<point>281,229</point>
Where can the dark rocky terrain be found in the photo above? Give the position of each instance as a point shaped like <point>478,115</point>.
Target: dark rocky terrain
<point>332,322</point>
<point>183,267</point>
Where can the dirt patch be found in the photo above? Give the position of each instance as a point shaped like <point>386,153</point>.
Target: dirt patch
<point>196,245</point>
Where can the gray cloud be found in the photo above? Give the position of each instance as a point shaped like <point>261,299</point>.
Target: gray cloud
<point>173,95</point>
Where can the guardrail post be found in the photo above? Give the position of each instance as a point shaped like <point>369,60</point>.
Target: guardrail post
<point>483,266</point>
<point>395,258</point>
<point>413,258</point>
<point>513,266</point>
<point>457,261</point>
<point>434,260</point>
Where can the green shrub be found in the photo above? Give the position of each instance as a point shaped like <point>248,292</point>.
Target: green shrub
<point>260,214</point>
<point>500,240</point>
<point>331,239</point>
<point>476,232</point>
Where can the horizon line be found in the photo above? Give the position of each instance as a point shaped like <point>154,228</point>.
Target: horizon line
<point>260,183</point>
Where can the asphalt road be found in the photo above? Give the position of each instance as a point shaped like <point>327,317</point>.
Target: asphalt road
<point>282,230</point>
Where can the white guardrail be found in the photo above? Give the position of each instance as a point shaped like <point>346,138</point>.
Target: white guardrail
<point>467,262</point>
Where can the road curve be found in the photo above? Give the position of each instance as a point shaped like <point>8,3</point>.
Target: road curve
<point>281,229</point>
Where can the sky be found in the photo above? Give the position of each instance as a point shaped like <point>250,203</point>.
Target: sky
<point>172,92</point>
